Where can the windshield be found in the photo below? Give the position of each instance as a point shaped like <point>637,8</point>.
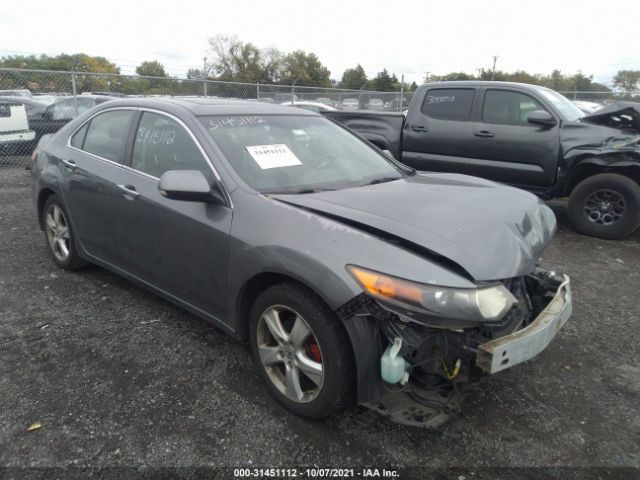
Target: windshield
<point>568,111</point>
<point>297,154</point>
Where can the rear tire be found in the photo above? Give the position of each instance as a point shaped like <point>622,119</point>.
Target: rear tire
<point>59,234</point>
<point>292,332</point>
<point>606,205</point>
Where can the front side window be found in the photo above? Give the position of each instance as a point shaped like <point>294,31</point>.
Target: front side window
<point>162,144</point>
<point>296,154</point>
<point>449,103</point>
<point>508,108</point>
<point>107,134</point>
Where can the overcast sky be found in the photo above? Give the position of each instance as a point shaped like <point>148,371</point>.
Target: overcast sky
<point>408,37</point>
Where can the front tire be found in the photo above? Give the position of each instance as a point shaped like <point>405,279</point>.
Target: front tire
<point>606,205</point>
<point>301,351</point>
<point>59,235</point>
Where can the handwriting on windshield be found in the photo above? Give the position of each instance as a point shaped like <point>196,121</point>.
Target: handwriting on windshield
<point>215,123</point>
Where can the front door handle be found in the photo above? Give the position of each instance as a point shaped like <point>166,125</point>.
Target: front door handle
<point>129,191</point>
<point>70,164</point>
<point>420,128</point>
<point>484,134</point>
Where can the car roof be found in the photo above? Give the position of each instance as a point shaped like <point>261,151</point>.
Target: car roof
<point>20,100</point>
<point>94,95</point>
<point>481,83</point>
<point>200,106</point>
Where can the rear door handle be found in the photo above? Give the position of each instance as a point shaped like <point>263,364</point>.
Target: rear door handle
<point>70,164</point>
<point>484,134</point>
<point>129,191</point>
<point>420,128</point>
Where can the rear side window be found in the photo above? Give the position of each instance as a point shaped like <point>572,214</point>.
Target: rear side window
<point>162,144</point>
<point>449,103</point>
<point>107,134</point>
<point>508,108</point>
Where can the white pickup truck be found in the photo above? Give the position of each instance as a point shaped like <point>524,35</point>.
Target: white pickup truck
<point>14,127</point>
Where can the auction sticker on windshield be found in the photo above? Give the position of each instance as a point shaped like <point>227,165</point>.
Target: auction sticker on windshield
<point>273,156</point>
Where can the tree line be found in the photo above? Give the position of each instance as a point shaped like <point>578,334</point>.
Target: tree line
<point>231,59</point>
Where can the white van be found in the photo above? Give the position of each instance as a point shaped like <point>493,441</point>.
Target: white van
<point>14,124</point>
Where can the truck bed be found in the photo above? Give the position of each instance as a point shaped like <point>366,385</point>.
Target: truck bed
<point>383,129</point>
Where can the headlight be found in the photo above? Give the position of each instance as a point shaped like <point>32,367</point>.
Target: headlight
<point>479,304</point>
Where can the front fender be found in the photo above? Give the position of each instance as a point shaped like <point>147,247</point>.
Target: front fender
<point>247,263</point>
<point>597,160</point>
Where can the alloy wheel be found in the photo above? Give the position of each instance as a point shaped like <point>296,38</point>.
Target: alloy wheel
<point>605,207</point>
<point>290,354</point>
<point>57,232</point>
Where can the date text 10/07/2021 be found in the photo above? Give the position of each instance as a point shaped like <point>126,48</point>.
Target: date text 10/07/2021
<point>315,473</point>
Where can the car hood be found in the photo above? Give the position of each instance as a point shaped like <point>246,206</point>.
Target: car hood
<point>478,228</point>
<point>622,115</point>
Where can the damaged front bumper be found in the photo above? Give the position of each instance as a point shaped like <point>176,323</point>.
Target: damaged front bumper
<point>441,362</point>
<point>522,345</point>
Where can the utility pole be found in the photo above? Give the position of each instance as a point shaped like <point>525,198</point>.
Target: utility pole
<point>427,75</point>
<point>293,88</point>
<point>479,70</point>
<point>360,94</point>
<point>73,85</point>
<point>493,71</point>
<point>401,92</point>
<point>204,76</point>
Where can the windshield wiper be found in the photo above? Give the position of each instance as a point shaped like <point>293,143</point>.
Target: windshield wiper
<point>311,190</point>
<point>302,191</point>
<point>383,180</point>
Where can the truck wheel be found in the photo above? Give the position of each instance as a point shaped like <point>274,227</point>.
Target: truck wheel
<point>606,205</point>
<point>301,351</point>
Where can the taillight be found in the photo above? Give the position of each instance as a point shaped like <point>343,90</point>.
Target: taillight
<point>34,155</point>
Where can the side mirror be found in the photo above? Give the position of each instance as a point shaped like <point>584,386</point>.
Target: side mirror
<point>541,117</point>
<point>190,186</point>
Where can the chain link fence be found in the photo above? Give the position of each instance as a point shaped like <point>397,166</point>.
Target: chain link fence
<point>36,102</point>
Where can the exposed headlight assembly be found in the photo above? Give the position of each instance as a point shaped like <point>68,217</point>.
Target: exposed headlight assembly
<point>475,304</point>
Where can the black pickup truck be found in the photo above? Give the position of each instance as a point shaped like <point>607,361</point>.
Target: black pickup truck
<point>523,135</point>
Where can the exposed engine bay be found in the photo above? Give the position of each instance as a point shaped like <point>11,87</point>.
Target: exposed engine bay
<point>424,370</point>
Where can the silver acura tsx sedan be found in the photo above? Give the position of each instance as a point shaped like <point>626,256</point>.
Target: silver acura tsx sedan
<point>355,278</point>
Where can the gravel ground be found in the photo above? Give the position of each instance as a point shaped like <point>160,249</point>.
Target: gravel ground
<point>120,377</point>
